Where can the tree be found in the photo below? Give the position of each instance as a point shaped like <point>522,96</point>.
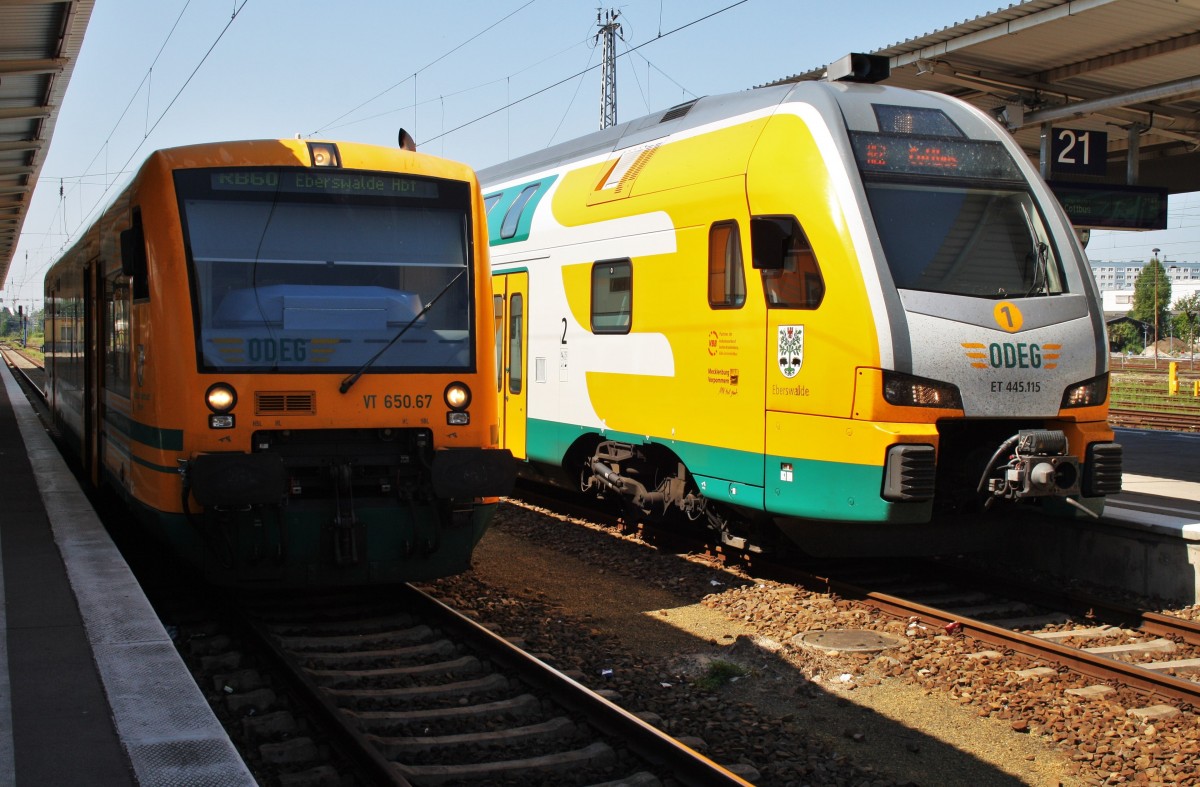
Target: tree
<point>1152,297</point>
<point>1187,320</point>
<point>1125,337</point>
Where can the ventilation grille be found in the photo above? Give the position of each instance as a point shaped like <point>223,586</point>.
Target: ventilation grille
<point>677,111</point>
<point>1103,470</point>
<point>285,402</point>
<point>911,473</point>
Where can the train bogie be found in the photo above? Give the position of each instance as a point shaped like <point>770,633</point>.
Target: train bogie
<point>280,354</point>
<point>809,304</point>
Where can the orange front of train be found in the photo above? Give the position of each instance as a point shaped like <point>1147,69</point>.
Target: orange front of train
<point>309,397</point>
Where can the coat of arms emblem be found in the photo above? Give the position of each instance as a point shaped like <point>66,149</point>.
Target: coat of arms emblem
<point>790,349</point>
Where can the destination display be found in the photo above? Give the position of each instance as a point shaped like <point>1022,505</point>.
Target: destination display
<point>358,184</point>
<point>907,155</point>
<point>1113,206</point>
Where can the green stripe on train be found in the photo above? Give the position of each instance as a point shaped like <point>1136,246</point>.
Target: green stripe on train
<point>162,439</point>
<point>811,489</point>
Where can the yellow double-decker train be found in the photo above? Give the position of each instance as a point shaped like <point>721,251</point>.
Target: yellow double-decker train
<point>829,308</point>
<point>280,353</point>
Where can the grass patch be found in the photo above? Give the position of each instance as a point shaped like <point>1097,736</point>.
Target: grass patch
<point>719,673</point>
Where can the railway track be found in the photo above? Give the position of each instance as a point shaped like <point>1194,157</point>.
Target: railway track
<point>1110,644</point>
<point>415,693</point>
<point>1175,421</point>
<point>1106,642</point>
<point>409,692</point>
<point>26,369</point>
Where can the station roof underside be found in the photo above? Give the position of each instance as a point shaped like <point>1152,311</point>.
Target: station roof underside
<point>1092,65</point>
<point>39,43</point>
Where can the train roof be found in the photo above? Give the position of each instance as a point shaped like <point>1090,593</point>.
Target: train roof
<point>645,129</point>
<point>682,117</point>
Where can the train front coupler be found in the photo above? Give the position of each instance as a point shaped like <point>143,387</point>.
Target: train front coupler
<point>1032,463</point>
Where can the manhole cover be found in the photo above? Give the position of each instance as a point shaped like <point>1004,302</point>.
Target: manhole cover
<point>857,640</point>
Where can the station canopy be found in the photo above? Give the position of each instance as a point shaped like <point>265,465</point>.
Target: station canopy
<point>39,43</point>
<point>1103,94</point>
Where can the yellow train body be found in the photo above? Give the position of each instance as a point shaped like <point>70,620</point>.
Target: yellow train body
<point>790,303</point>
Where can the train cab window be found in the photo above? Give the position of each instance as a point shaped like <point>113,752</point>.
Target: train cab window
<point>726,279</point>
<point>134,263</point>
<point>791,276</point>
<point>612,296</point>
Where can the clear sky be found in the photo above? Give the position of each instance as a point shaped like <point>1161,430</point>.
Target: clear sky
<point>479,81</point>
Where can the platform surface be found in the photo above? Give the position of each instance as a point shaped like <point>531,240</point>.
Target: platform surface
<point>92,690</point>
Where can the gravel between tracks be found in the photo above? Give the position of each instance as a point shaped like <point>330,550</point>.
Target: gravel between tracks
<point>924,712</point>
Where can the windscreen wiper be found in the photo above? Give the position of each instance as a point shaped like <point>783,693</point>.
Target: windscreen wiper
<point>1041,271</point>
<point>352,379</point>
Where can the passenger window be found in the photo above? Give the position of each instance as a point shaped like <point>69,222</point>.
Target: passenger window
<point>513,217</point>
<point>490,201</point>
<point>726,281</point>
<point>791,276</point>
<point>612,293</point>
<point>116,339</point>
<point>516,334</point>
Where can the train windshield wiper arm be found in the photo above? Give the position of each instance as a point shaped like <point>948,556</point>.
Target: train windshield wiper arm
<point>1041,270</point>
<point>353,378</point>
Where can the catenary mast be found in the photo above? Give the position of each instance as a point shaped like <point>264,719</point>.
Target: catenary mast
<point>610,28</point>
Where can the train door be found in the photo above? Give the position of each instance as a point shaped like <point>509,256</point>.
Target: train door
<point>511,292</point>
<point>50,347</point>
<point>93,364</point>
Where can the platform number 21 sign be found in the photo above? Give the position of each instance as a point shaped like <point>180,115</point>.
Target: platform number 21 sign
<point>1078,152</point>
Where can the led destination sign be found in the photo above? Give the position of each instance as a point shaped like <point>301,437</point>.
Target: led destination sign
<point>307,181</point>
<point>1110,205</point>
<point>909,155</point>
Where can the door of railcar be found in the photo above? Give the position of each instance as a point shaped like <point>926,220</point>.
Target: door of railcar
<point>511,295</point>
<point>93,363</point>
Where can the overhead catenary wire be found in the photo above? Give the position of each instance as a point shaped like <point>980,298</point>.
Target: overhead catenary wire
<point>428,65</point>
<point>150,130</point>
<point>586,70</point>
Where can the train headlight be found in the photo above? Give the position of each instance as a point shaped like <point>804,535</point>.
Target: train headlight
<point>324,154</point>
<point>908,391</point>
<point>458,396</point>
<point>1087,393</point>
<point>220,397</point>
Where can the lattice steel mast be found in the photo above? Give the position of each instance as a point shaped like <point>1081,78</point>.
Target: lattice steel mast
<point>609,30</point>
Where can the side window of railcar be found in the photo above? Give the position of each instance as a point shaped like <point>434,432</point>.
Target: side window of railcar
<point>116,340</point>
<point>490,201</point>
<point>791,276</point>
<point>726,280</point>
<point>612,296</point>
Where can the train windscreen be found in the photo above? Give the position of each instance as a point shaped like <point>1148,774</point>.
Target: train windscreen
<point>956,217</point>
<point>301,270</point>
